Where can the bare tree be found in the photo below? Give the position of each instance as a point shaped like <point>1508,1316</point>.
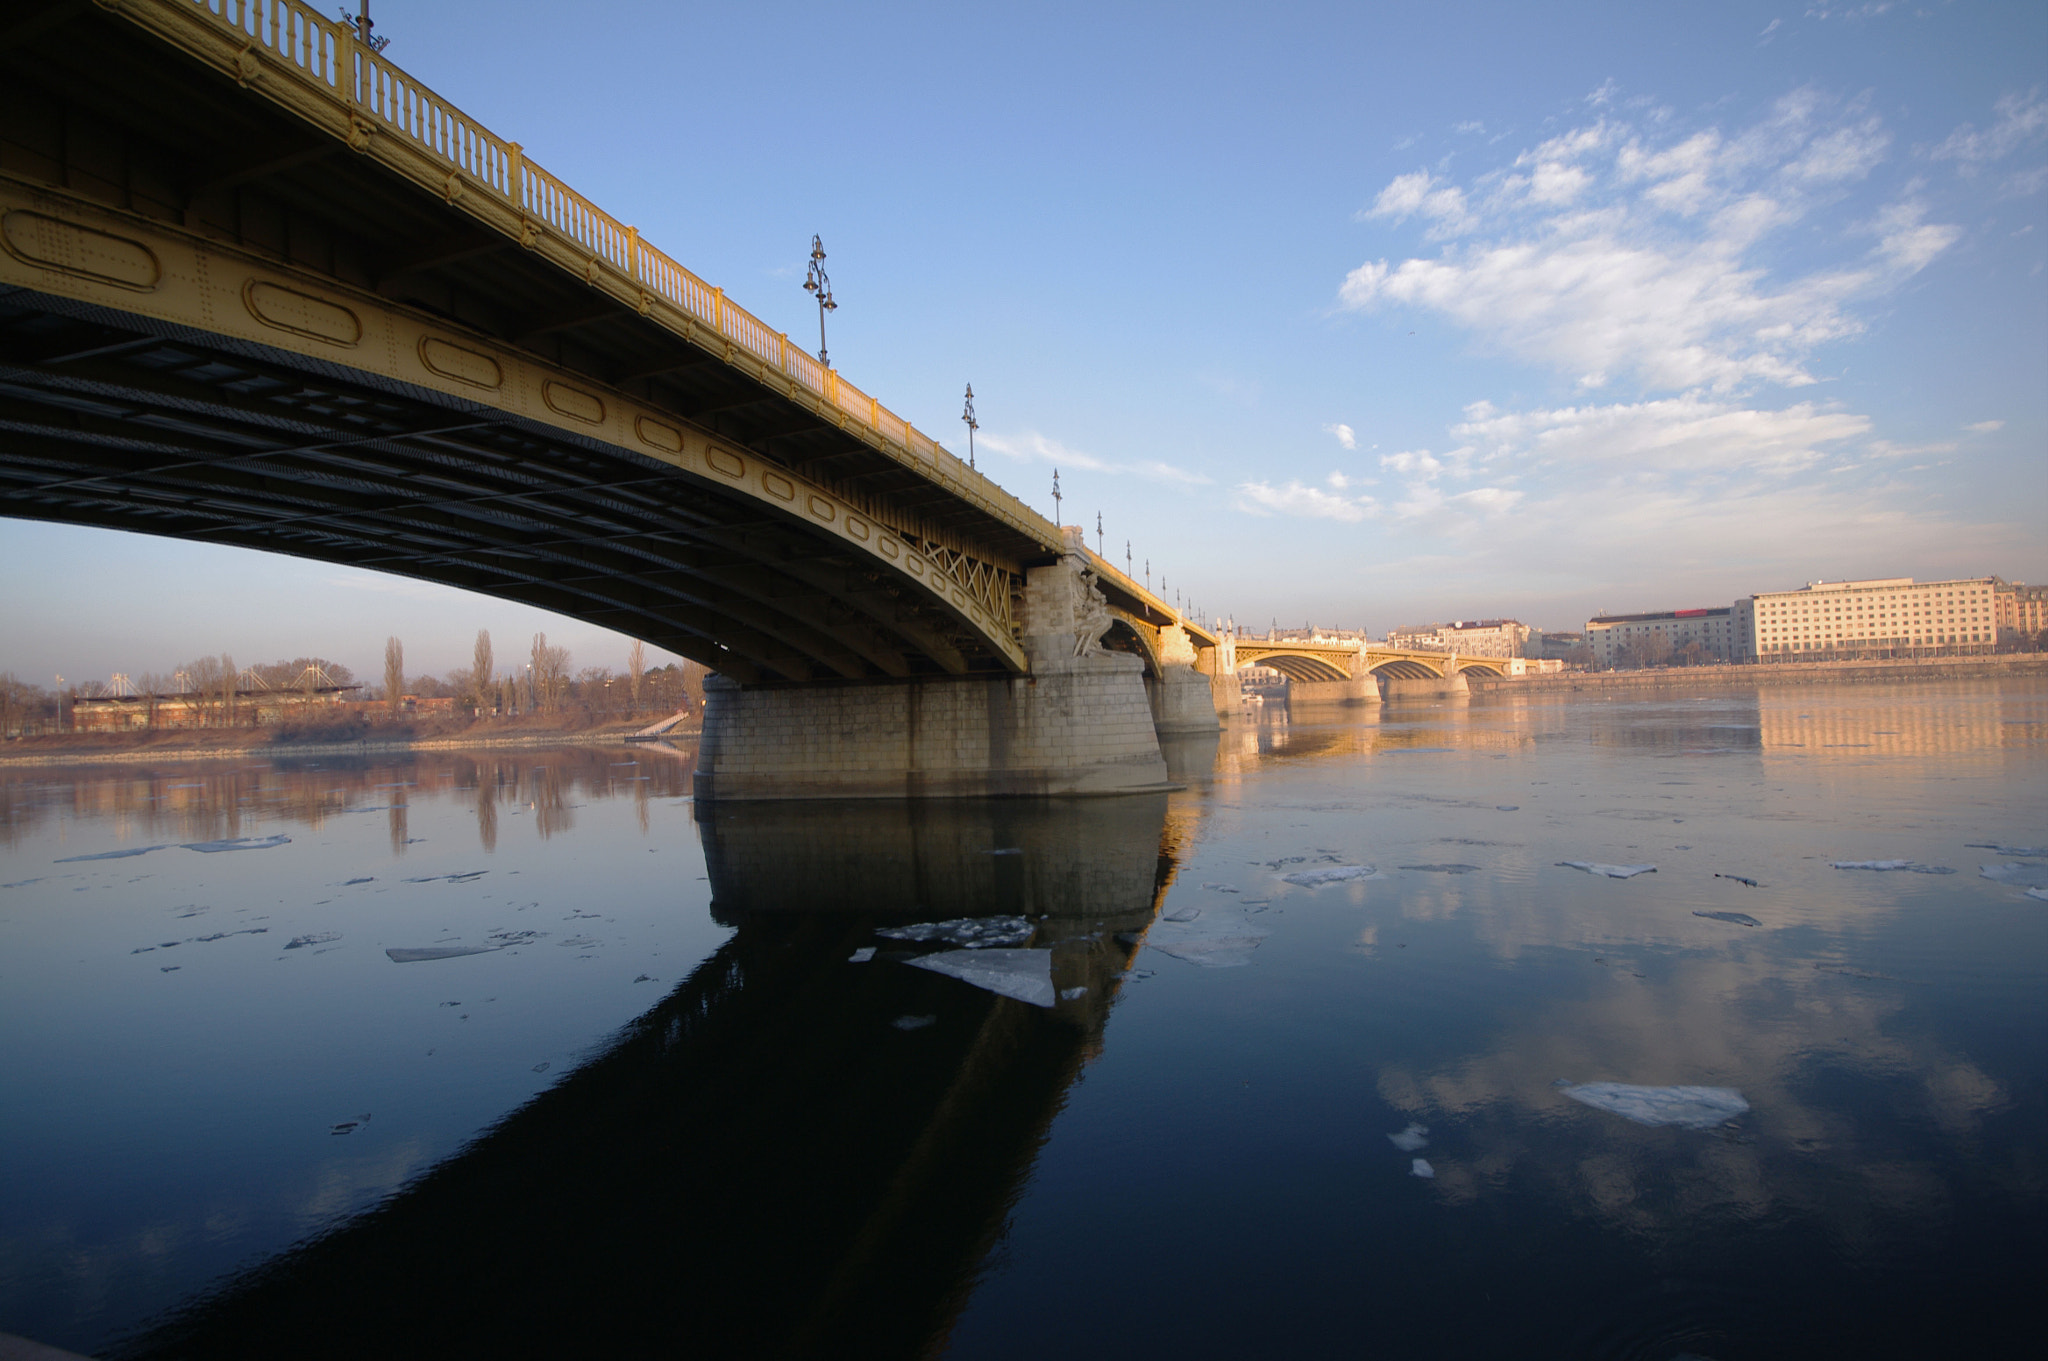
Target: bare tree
<point>550,672</point>
<point>394,673</point>
<point>483,667</point>
<point>636,671</point>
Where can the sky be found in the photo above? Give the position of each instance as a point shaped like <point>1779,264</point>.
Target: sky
<point>1359,315</point>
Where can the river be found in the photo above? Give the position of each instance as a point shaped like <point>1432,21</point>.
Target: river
<point>1331,1052</point>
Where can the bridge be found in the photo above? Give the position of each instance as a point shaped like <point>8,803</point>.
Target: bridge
<point>1351,668</point>
<point>261,287</point>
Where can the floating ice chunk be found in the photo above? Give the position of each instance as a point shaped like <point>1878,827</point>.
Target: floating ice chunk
<point>240,843</point>
<point>1421,1168</point>
<point>108,855</point>
<point>1910,866</point>
<point>972,933</point>
<point>2008,850</point>
<point>1607,871</point>
<point>1442,869</point>
<point>404,956</point>
<point>317,938</point>
<point>2041,893</point>
<point>862,955</point>
<point>1410,1139</point>
<point>1336,874</point>
<point>2016,874</point>
<point>913,1022</point>
<point>1069,994</point>
<point>1738,879</point>
<point>458,877</point>
<point>1181,914</point>
<point>1686,1107</point>
<point>1223,888</point>
<point>1220,942</point>
<point>366,879</point>
<point>1739,918</point>
<point>1507,808</point>
<point>1023,974</point>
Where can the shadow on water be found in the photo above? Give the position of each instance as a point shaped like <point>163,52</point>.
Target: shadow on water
<point>765,1163</point>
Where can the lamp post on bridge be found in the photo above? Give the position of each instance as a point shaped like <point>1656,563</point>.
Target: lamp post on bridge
<point>815,282</point>
<point>967,415</point>
<point>1098,533</point>
<point>1056,503</point>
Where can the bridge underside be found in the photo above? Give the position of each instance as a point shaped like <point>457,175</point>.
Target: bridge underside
<point>132,395</point>
<point>118,422</point>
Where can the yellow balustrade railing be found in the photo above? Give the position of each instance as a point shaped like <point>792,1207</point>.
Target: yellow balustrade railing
<point>326,53</point>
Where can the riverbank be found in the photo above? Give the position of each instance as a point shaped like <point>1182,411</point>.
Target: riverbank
<point>2000,667</point>
<point>70,749</point>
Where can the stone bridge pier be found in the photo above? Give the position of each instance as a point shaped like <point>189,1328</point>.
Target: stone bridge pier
<point>1080,722</point>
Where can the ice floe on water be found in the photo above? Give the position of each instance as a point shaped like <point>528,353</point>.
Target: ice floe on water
<point>862,955</point>
<point>1335,874</point>
<point>2041,893</point>
<point>970,933</point>
<point>1686,1107</point>
<point>1909,866</point>
<point>111,855</point>
<point>410,956</point>
<point>1220,940</point>
<point>1421,1168</point>
<point>240,843</point>
<point>1181,914</point>
<point>1410,1139</point>
<point>2007,850</point>
<point>1738,918</point>
<point>1443,869</point>
<point>1607,871</point>
<point>2016,874</point>
<point>459,877</point>
<point>1023,974</point>
<point>316,938</point>
<point>1069,994</point>
<point>1740,879</point>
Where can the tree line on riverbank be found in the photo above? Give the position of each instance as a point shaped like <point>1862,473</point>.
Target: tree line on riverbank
<point>315,697</point>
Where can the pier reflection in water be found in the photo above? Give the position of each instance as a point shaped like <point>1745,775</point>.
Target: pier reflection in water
<point>791,1154</point>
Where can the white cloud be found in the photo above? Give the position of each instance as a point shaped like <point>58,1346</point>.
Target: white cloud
<point>1033,447</point>
<point>1346,436</point>
<point>1689,434</point>
<point>1305,502</point>
<point>1985,427</point>
<point>1611,252</point>
<point>2020,119</point>
<point>1470,126</point>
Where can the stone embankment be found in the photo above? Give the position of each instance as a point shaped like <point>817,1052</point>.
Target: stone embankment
<point>2010,665</point>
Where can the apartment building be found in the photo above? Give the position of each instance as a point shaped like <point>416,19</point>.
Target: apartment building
<point>2019,611</point>
<point>1466,637</point>
<point>1889,614</point>
<point>1659,633</point>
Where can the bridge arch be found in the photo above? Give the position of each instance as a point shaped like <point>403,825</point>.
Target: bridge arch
<point>1307,667</point>
<point>1408,668</point>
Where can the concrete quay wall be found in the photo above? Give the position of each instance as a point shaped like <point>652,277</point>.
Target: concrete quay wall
<point>1746,677</point>
<point>1080,725</point>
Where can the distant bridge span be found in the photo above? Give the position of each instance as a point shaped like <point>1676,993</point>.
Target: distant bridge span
<point>1317,660</point>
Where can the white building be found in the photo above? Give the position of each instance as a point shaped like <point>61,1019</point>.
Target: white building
<point>1615,637</point>
<point>1466,637</point>
<point>1890,614</point>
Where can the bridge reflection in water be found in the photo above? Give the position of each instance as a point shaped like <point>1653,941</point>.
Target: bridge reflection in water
<point>764,1163</point>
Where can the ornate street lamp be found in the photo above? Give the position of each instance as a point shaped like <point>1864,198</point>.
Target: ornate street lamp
<point>816,283</point>
<point>973,425</point>
<point>1056,500</point>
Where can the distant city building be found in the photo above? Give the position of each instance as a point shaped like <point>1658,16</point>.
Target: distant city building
<point>1888,615</point>
<point>1466,637</point>
<point>1556,646</point>
<point>1660,634</point>
<point>2019,611</point>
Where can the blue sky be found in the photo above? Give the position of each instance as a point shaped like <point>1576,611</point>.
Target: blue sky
<point>1361,314</point>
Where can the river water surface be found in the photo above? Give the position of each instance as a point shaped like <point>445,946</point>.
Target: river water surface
<point>524,1053</point>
